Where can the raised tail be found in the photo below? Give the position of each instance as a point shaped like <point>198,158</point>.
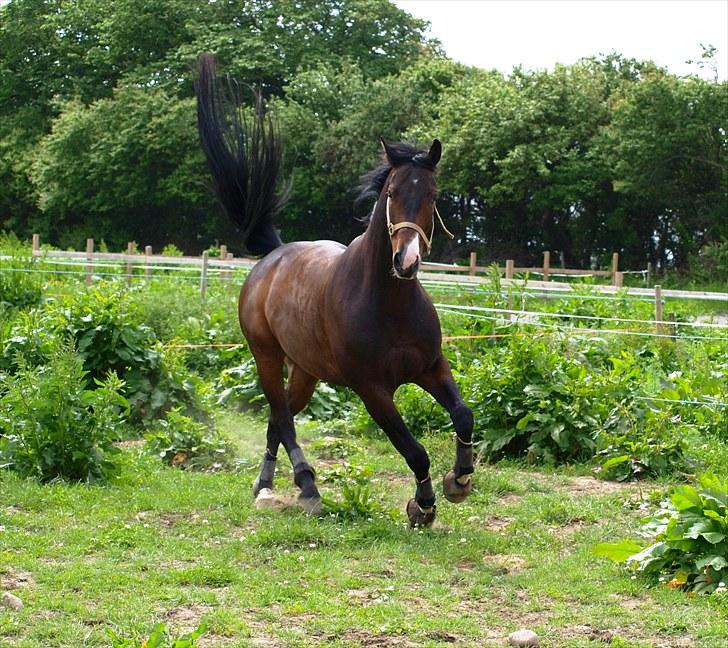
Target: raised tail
<point>244,155</point>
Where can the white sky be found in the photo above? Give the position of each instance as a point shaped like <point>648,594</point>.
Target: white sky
<point>539,33</point>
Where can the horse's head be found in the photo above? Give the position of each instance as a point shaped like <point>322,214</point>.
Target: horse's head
<point>410,193</point>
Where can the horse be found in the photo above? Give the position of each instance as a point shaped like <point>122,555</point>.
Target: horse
<point>351,315</point>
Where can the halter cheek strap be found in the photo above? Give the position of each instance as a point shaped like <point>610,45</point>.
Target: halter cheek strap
<point>393,227</point>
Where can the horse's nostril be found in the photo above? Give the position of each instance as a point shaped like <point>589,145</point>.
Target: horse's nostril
<point>397,261</point>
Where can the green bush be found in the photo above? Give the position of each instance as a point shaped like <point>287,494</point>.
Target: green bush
<point>20,286</point>
<point>691,539</point>
<point>535,398</point>
<point>182,442</point>
<point>33,335</point>
<point>711,264</point>
<point>52,427</point>
<point>110,336</point>
<point>651,446</point>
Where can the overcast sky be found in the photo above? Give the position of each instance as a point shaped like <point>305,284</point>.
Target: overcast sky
<point>539,33</point>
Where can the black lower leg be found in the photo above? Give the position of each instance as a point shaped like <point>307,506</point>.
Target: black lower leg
<point>304,475</point>
<point>425,495</point>
<point>462,419</point>
<point>267,472</point>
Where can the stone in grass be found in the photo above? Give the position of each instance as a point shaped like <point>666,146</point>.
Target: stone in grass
<point>523,638</point>
<point>11,601</point>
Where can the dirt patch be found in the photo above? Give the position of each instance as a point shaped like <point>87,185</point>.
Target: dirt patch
<point>630,602</point>
<point>14,510</point>
<point>466,565</point>
<point>365,597</point>
<point>275,501</point>
<point>585,485</point>
<point>625,633</point>
<point>510,498</point>
<point>567,530</point>
<point>176,564</point>
<point>370,640</point>
<point>16,579</point>
<point>496,523</point>
<point>185,618</point>
<point>505,563</point>
<point>170,519</point>
<point>601,635</point>
<point>445,637</point>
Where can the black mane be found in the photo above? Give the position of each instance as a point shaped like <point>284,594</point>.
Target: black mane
<point>372,183</point>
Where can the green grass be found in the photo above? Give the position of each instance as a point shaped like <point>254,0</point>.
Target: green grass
<point>160,544</point>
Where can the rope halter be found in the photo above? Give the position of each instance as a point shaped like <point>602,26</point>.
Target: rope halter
<point>393,227</point>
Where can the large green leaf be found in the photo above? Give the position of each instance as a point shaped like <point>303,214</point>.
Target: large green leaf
<point>618,551</point>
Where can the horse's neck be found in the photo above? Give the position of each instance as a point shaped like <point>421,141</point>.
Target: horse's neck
<point>374,261</point>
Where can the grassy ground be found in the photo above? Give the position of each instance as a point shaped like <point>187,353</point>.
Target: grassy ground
<point>178,547</point>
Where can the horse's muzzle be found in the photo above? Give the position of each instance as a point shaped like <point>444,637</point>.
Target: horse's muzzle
<point>410,272</point>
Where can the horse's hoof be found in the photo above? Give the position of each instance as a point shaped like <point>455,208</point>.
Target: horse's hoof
<point>266,499</point>
<point>258,486</point>
<point>456,491</point>
<point>418,516</point>
<point>311,505</point>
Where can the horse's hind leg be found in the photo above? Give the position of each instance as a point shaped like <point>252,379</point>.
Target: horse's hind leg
<point>282,430</point>
<point>438,381</point>
<point>298,393</point>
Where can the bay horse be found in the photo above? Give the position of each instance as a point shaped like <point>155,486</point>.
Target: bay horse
<point>355,316</point>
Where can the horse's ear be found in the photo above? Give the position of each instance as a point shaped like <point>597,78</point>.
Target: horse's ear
<point>387,151</point>
<point>435,151</point>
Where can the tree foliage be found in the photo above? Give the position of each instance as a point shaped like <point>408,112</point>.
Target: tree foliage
<point>98,135</point>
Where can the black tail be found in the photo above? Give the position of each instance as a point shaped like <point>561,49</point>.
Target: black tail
<point>244,156</point>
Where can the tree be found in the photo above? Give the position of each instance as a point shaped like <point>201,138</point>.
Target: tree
<point>126,167</point>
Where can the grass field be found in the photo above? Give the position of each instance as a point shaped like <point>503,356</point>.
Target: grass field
<point>160,544</point>
<point>156,544</point>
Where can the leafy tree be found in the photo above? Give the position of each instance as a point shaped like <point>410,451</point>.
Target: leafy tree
<point>668,150</point>
<point>123,167</point>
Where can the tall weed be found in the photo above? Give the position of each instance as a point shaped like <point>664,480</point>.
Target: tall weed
<point>20,286</point>
<point>51,426</point>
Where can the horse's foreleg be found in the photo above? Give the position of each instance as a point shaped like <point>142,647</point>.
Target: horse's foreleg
<point>420,509</point>
<point>438,381</point>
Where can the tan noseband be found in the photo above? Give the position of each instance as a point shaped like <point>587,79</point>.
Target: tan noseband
<point>393,227</point>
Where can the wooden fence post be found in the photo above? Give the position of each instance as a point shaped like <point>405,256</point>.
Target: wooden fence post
<point>89,258</point>
<point>509,275</point>
<point>203,276</point>
<point>658,308</point>
<point>223,257</point>
<point>229,271</point>
<point>129,267</point>
<point>473,263</point>
<point>648,276</point>
<point>615,267</point>
<point>509,268</point>
<point>36,244</point>
<point>546,264</point>
<point>618,279</point>
<point>147,254</point>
